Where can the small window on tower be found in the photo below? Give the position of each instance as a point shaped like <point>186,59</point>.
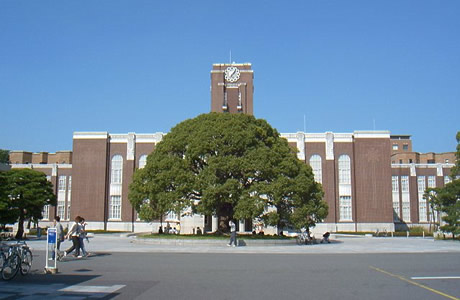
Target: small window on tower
<point>405,147</point>
<point>395,146</point>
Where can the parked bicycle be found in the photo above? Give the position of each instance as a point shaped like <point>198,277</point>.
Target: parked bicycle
<point>304,238</point>
<point>16,257</point>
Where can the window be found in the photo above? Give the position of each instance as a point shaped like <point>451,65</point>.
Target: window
<point>142,161</point>
<point>60,209</point>
<point>410,160</point>
<point>315,163</point>
<point>62,183</point>
<point>395,196</point>
<point>117,169</point>
<point>447,179</point>
<point>345,201</point>
<point>116,188</point>
<point>405,184</point>
<point>115,208</point>
<point>46,212</point>
<point>395,147</point>
<point>345,208</point>
<point>421,186</point>
<point>69,197</point>
<point>446,161</point>
<point>405,200</point>
<point>344,169</point>
<point>431,181</point>
<point>395,183</point>
<point>405,147</point>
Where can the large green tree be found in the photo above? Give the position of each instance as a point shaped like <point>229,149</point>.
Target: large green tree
<point>4,156</point>
<point>23,194</point>
<point>230,166</point>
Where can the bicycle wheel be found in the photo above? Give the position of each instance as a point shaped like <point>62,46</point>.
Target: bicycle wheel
<point>10,267</point>
<point>298,240</point>
<point>26,262</point>
<point>2,260</point>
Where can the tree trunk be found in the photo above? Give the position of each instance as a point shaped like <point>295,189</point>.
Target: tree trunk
<point>224,215</point>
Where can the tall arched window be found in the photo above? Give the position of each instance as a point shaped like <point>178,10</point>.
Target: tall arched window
<point>345,204</point>
<point>116,176</point>
<point>116,169</point>
<point>142,161</point>
<point>315,163</point>
<point>344,169</point>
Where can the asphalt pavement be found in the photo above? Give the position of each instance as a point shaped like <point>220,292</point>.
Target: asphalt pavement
<point>124,267</point>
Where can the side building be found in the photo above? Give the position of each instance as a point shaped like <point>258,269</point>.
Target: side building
<point>411,174</point>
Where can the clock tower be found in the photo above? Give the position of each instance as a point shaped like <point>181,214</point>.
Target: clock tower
<point>232,88</point>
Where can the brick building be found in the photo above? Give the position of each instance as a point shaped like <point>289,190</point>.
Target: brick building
<point>372,180</point>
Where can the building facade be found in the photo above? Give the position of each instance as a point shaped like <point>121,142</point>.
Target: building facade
<point>372,180</point>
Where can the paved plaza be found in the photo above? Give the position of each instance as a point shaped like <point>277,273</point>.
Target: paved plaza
<point>124,267</point>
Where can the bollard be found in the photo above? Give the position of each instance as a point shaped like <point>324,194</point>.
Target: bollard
<point>407,232</point>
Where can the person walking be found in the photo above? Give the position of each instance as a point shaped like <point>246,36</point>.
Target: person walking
<point>82,237</point>
<point>59,232</point>
<point>232,226</point>
<point>74,234</point>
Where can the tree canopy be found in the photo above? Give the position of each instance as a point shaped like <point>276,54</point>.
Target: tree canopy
<point>23,194</point>
<point>230,166</point>
<point>4,156</point>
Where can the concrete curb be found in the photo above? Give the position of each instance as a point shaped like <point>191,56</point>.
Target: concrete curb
<point>205,242</point>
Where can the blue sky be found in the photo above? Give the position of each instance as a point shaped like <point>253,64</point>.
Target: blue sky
<point>144,66</point>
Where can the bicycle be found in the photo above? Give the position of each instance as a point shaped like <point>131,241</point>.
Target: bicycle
<point>304,238</point>
<point>18,258</point>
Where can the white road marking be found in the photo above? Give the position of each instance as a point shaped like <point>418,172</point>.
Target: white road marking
<point>92,288</point>
<point>435,277</point>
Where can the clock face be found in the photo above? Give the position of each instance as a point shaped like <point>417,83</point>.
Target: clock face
<point>232,74</point>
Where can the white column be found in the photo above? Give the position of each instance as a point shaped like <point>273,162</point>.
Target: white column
<point>214,224</point>
<point>241,226</point>
<point>301,145</point>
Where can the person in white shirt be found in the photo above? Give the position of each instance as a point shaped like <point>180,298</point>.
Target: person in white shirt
<point>74,234</point>
<point>232,226</point>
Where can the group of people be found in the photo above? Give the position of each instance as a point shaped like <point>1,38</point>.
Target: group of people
<point>169,230</point>
<point>76,233</point>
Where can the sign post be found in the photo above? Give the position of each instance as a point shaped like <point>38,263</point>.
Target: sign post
<point>51,251</point>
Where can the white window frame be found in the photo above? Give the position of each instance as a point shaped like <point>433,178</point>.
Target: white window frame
<point>345,197</point>
<point>395,197</point>
<point>345,208</point>
<point>422,207</point>
<point>316,166</point>
<point>116,180</point>
<point>46,213</point>
<point>62,183</point>
<point>405,201</point>
<point>431,181</point>
<point>115,207</point>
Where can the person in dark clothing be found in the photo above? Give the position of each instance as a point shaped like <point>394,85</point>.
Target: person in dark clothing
<point>326,237</point>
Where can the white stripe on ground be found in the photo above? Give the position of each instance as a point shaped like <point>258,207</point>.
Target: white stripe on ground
<point>92,288</point>
<point>435,277</point>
